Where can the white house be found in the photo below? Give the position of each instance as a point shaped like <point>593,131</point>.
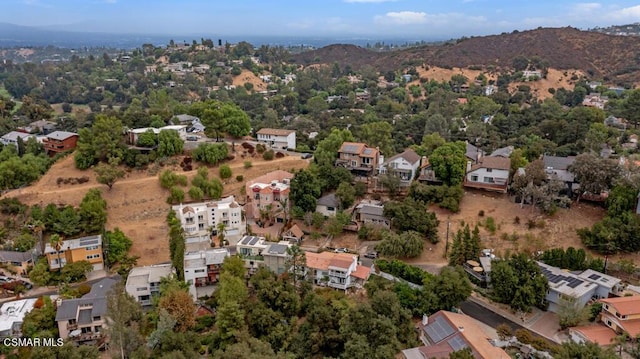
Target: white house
<point>277,138</point>
<point>133,134</point>
<point>11,138</point>
<point>490,173</point>
<point>144,282</point>
<point>11,316</point>
<point>200,220</point>
<point>336,270</point>
<point>404,165</point>
<point>328,205</point>
<point>202,268</point>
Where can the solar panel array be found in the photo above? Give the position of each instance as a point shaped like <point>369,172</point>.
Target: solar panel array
<point>572,282</point>
<point>438,329</point>
<point>350,148</point>
<point>457,343</point>
<point>89,241</point>
<point>594,277</point>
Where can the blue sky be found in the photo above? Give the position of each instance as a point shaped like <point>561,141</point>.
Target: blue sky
<point>420,19</point>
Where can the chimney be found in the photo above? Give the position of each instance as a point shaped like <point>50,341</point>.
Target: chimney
<point>461,329</point>
<point>425,319</point>
<point>468,166</point>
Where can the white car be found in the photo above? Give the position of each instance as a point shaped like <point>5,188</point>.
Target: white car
<point>341,250</point>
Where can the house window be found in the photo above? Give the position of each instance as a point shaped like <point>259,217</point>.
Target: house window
<point>609,323</point>
<point>489,170</point>
<point>92,248</point>
<point>72,321</point>
<point>92,256</point>
<point>474,178</point>
<point>489,180</point>
<point>200,217</point>
<point>96,318</point>
<point>141,289</point>
<point>189,220</point>
<point>97,328</point>
<point>354,163</point>
<point>331,209</point>
<point>257,196</point>
<point>366,160</point>
<point>201,226</point>
<point>85,330</point>
<point>199,271</point>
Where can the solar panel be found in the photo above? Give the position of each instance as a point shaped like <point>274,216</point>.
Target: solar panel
<point>88,242</point>
<point>438,329</point>
<point>575,283</point>
<point>350,148</point>
<point>594,277</point>
<point>457,343</point>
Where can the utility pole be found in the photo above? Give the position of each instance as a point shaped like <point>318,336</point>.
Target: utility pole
<point>446,244</point>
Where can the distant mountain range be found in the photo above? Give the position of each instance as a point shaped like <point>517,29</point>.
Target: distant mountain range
<point>613,59</point>
<point>64,36</point>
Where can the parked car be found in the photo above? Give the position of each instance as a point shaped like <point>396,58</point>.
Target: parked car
<point>372,255</point>
<point>192,138</point>
<point>306,156</point>
<point>341,250</point>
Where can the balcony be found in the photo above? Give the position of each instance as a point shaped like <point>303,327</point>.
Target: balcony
<point>337,274</point>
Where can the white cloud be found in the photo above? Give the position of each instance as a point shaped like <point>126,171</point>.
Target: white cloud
<point>417,18</point>
<point>587,6</point>
<point>369,1</point>
<point>629,14</point>
<point>402,18</point>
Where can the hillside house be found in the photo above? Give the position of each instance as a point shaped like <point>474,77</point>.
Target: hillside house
<point>133,134</point>
<point>267,194</point>
<point>200,220</point>
<point>60,141</point>
<point>531,74</point>
<point>445,332</point>
<point>580,288</point>
<point>258,252</point>
<point>558,168</point>
<point>42,127</point>
<point>12,315</point>
<point>143,283</point>
<point>358,158</point>
<point>599,334</point>
<point>328,205</point>
<point>75,250</point>
<point>371,213</point>
<point>11,138</point>
<point>622,315</point>
<point>83,320</point>
<point>595,100</point>
<point>336,270</point>
<point>16,262</point>
<point>404,166</point>
<point>293,235</point>
<point>277,138</point>
<point>490,173</point>
<point>426,173</point>
<point>502,152</point>
<point>202,268</point>
<point>615,122</point>
<point>363,95</point>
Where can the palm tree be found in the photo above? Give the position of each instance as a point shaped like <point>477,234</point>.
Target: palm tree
<point>284,202</point>
<point>38,227</point>
<point>56,242</point>
<point>221,227</point>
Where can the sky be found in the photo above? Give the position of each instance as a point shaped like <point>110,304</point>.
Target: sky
<point>419,19</point>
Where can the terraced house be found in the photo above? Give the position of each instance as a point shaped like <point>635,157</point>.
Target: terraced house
<point>359,158</point>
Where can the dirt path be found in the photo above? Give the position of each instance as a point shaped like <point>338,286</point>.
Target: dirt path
<point>137,204</point>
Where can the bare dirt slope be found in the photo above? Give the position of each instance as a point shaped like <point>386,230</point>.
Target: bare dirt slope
<point>137,203</point>
<point>250,77</point>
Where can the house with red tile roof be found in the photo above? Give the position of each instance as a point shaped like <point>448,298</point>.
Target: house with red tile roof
<point>622,314</point>
<point>268,193</point>
<point>445,332</point>
<point>336,270</point>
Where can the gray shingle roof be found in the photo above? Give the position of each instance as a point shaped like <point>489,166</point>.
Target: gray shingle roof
<point>61,135</point>
<point>12,256</point>
<point>558,163</point>
<point>96,298</point>
<point>329,200</point>
<point>408,155</point>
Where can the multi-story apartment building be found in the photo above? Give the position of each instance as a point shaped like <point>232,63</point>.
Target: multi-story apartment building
<point>336,270</point>
<point>202,268</point>
<point>75,250</point>
<point>277,138</point>
<point>201,220</point>
<point>268,195</point>
<point>359,158</point>
<point>83,320</point>
<point>143,283</point>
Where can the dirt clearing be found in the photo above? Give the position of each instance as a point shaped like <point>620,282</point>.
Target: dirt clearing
<point>137,204</point>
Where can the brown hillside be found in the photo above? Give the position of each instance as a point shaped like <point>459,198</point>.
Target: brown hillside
<point>602,56</point>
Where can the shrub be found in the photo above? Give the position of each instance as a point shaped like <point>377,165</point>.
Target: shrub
<point>531,224</point>
<point>481,213</point>
<point>176,195</point>
<point>196,193</point>
<point>225,172</point>
<point>239,178</point>
<point>248,164</point>
<point>260,148</point>
<point>268,155</point>
<point>490,225</point>
<point>516,220</point>
<point>169,179</point>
